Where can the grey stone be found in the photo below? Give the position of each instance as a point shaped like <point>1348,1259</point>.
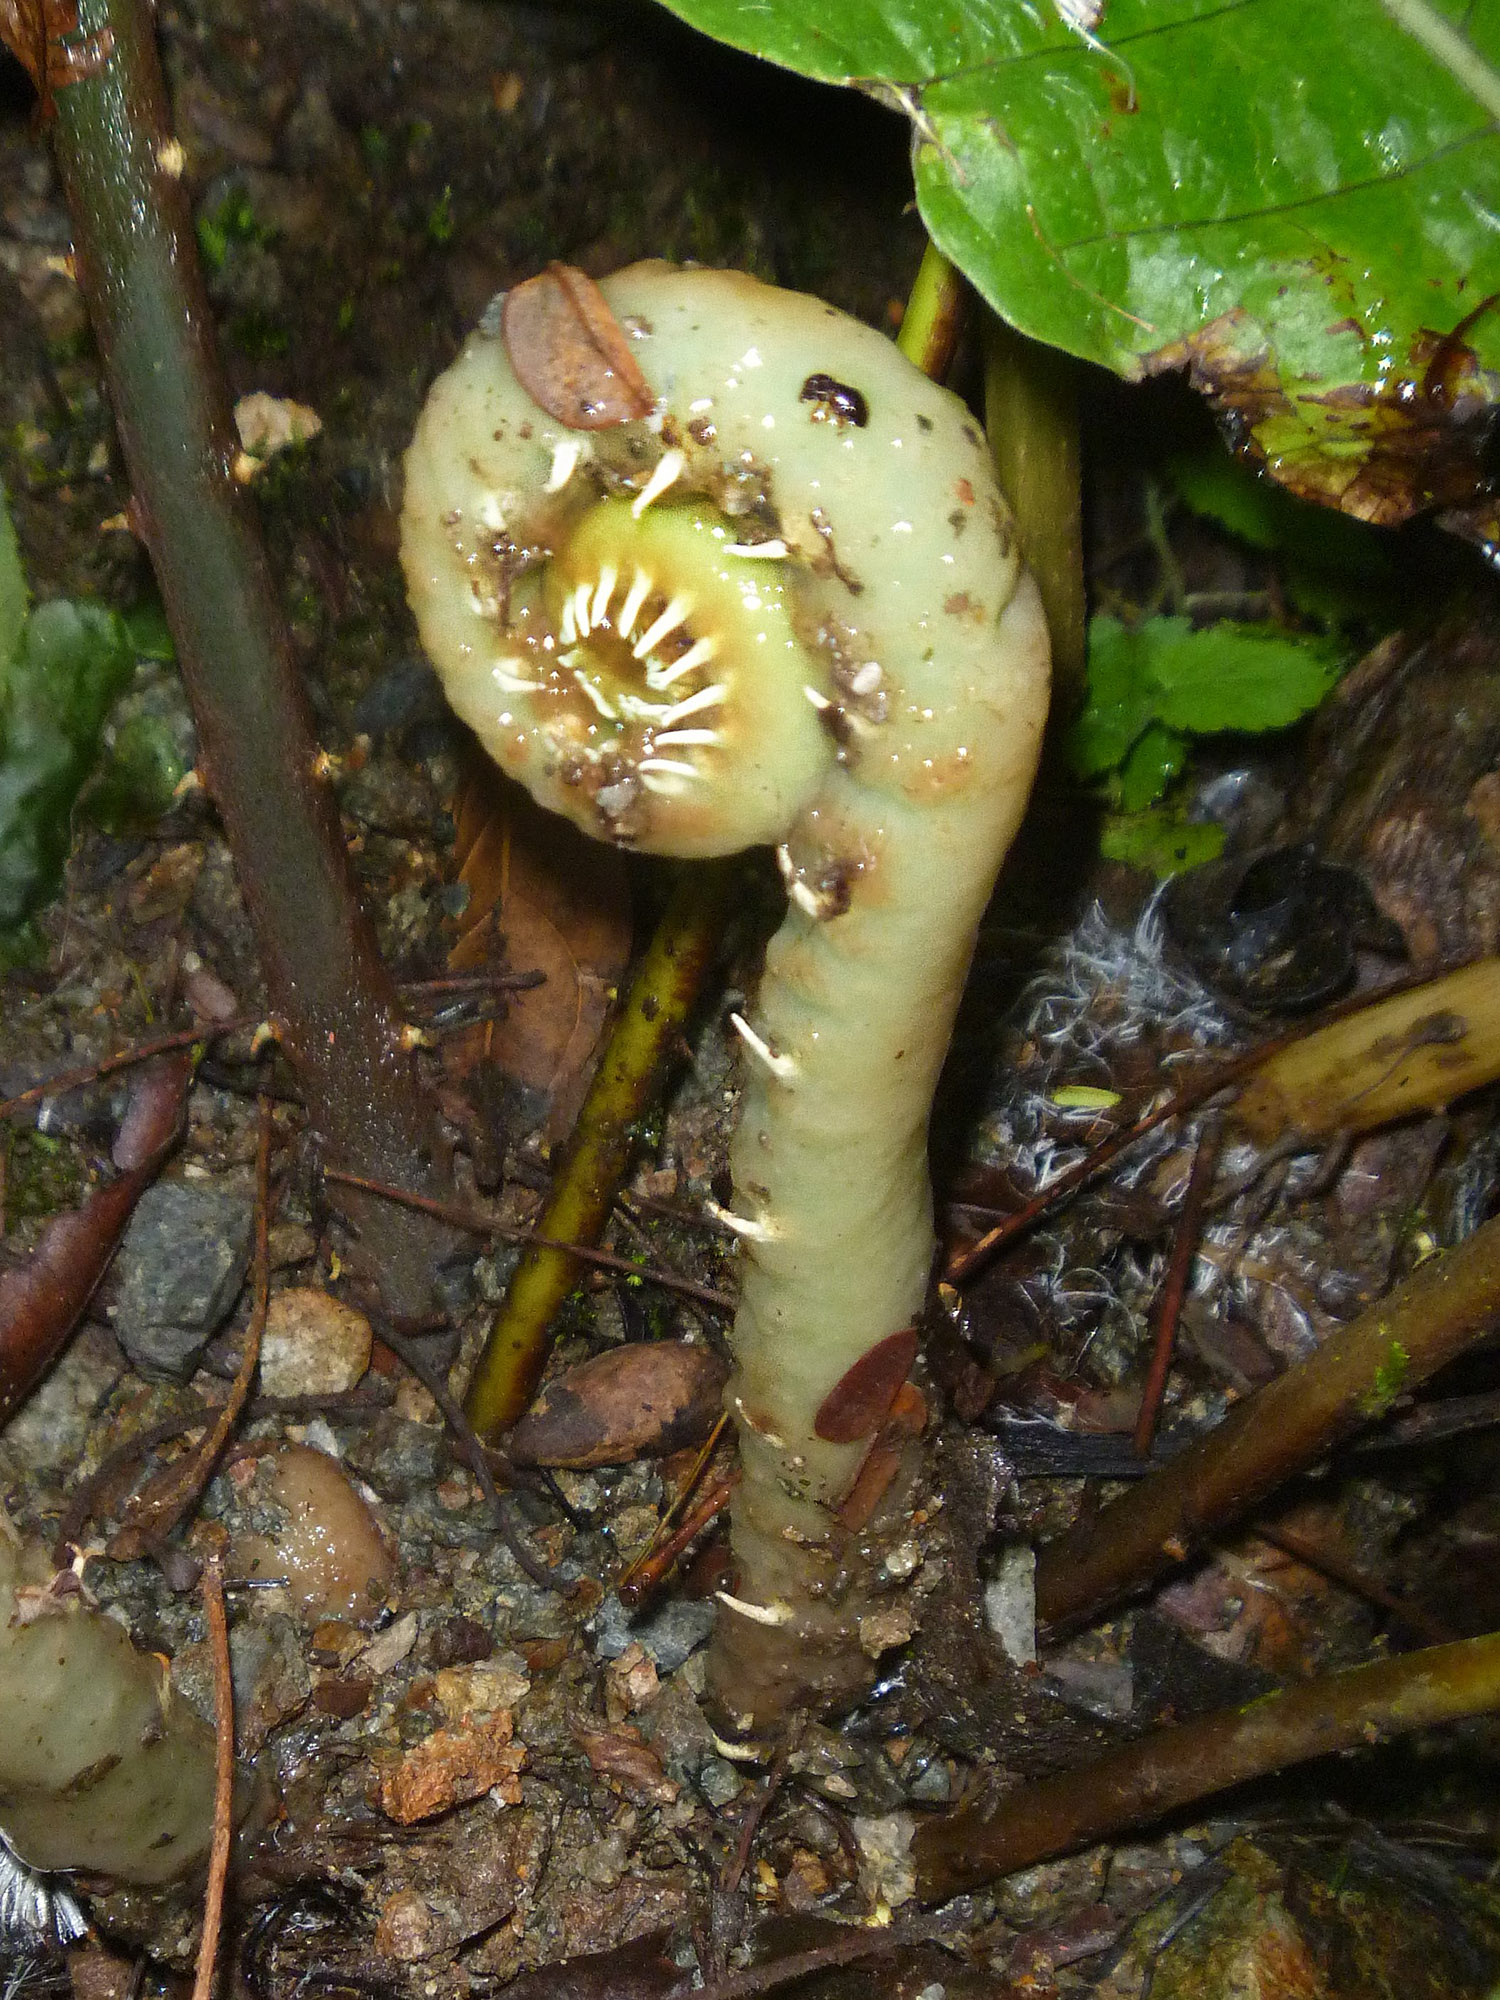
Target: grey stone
<point>719,1781</point>
<point>668,1635</point>
<point>179,1271</point>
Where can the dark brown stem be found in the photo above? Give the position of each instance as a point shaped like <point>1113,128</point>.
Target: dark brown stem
<point>1174,1287</point>
<point>1353,1378</point>
<point>137,265</point>
<point>1144,1780</point>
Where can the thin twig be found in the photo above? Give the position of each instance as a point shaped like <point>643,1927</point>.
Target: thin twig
<point>474,1454</point>
<point>962,1265</point>
<point>154,1520</point>
<point>755,1812</point>
<point>1174,1286</point>
<point>1333,1564</point>
<point>509,1232</point>
<point>650,1569</point>
<point>757,1979</point>
<point>218,1864</point>
<point>654,1557</point>
<point>74,1079</point>
<point>84,1498</point>
<point>1439,1311</point>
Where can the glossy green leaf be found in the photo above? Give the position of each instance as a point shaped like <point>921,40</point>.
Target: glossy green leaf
<point>1300,201</point>
<point>1162,841</point>
<point>1152,685</point>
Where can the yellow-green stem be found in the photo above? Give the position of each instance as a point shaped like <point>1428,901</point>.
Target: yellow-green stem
<point>597,1154</point>
<point>1031,416</point>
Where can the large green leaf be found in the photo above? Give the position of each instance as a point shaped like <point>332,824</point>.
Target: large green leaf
<point>1297,199</point>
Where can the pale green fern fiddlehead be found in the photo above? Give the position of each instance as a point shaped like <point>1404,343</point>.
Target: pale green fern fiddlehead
<point>784,608</point>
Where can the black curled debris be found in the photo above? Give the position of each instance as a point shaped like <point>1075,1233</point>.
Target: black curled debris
<point>1279,931</point>
<point>835,402</point>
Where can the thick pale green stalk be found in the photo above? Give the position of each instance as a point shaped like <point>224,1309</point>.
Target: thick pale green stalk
<point>1031,414</point>
<point>784,608</point>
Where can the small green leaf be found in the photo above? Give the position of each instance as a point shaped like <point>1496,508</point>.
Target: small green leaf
<point>1150,767</point>
<point>147,630</point>
<point>1162,841</point>
<point>1195,683</point>
<point>139,779</point>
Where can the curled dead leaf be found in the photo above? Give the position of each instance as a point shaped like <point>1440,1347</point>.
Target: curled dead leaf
<point>542,897</point>
<point>570,353</point>
<point>864,1394</point>
<point>640,1401</point>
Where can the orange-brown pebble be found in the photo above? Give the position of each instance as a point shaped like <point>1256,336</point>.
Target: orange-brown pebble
<point>451,1766</point>
<point>329,1551</point>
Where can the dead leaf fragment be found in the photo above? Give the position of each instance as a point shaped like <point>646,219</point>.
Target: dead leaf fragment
<point>624,1756</point>
<point>41,1300</point>
<point>639,1401</point>
<point>570,353</point>
<point>863,1395</point>
<point>542,897</point>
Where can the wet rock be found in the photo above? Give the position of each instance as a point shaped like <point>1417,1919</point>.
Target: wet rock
<point>668,1635</point>
<point>179,1270</point>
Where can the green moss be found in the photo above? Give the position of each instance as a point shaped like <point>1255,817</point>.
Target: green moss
<point>43,1176</point>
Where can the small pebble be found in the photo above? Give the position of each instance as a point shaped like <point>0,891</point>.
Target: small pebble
<point>313,1345</point>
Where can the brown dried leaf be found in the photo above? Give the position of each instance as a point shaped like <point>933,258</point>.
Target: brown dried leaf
<point>548,899</point>
<point>640,1401</point>
<point>864,1394</point>
<point>570,353</point>
<point>42,1299</point>
<point>639,1970</point>
<point>624,1755</point>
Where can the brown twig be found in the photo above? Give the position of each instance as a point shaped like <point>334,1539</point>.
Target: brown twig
<point>474,1454</point>
<point>754,1814</point>
<point>1141,1781</point>
<point>1337,1567</point>
<point>1441,1309</point>
<point>84,1498</point>
<point>508,1232</point>
<point>860,1944</point>
<point>153,1520</point>
<point>218,1864</point>
<point>162,1045</point>
<point>652,1564</point>
<point>1175,1284</point>
<point>651,1568</point>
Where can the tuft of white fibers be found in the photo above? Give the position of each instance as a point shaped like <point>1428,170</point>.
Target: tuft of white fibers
<point>34,1908</point>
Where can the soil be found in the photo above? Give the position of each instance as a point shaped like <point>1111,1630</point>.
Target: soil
<point>365,179</point>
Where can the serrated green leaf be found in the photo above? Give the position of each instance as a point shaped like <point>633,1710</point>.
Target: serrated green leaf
<point>12,588</point>
<point>1225,677</point>
<point>1150,767</point>
<point>1298,202</point>
<point>1161,841</point>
